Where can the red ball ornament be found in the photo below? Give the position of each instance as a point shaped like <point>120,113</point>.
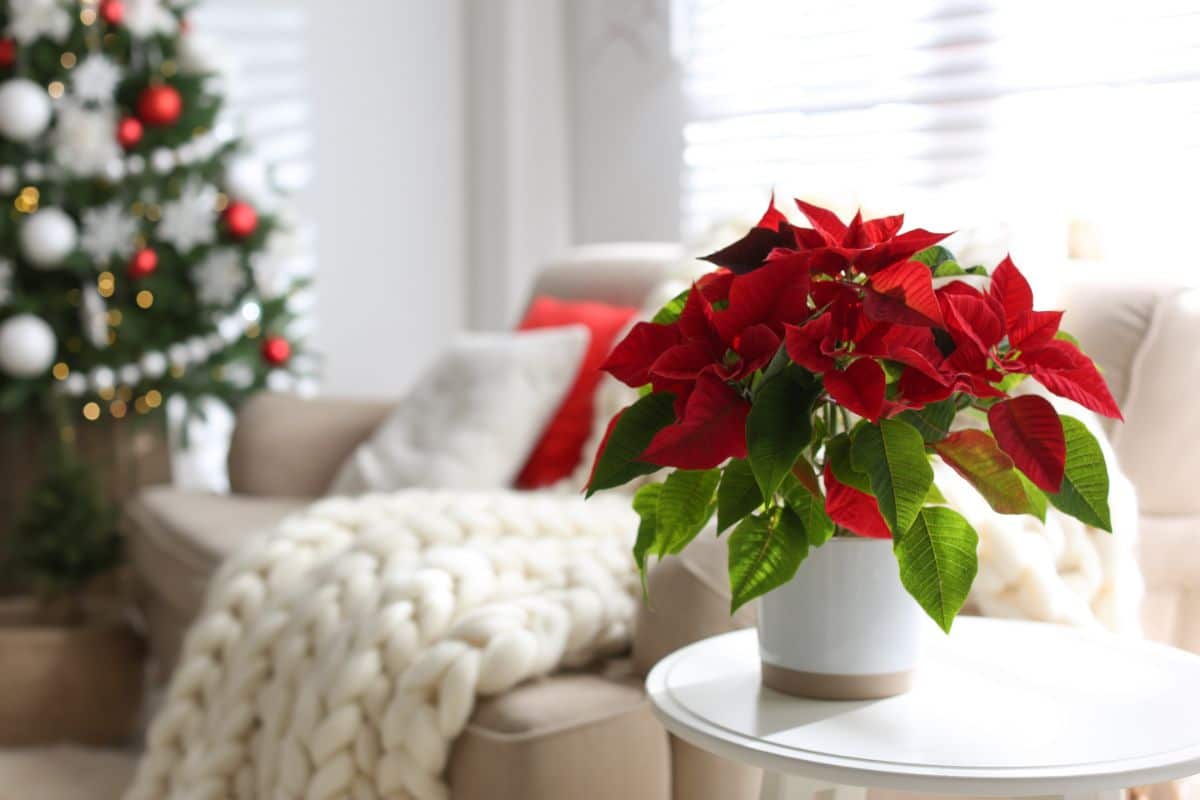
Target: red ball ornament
<point>240,219</point>
<point>276,350</point>
<point>8,53</point>
<point>129,132</point>
<point>112,12</point>
<point>143,263</point>
<point>159,106</point>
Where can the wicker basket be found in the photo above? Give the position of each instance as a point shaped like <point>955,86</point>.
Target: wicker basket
<point>80,683</point>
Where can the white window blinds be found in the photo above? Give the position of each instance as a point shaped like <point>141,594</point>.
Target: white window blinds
<point>262,45</point>
<point>1064,122</point>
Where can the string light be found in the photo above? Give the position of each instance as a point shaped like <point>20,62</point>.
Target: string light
<point>141,406</point>
<point>56,89</point>
<point>88,16</point>
<point>153,398</point>
<point>115,317</point>
<point>145,298</point>
<point>26,200</point>
<point>67,59</point>
<point>106,392</point>
<point>91,411</point>
<point>61,371</point>
<point>117,408</point>
<point>106,284</point>
<point>153,212</point>
<point>168,68</point>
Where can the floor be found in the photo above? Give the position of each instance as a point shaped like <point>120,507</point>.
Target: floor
<point>65,773</point>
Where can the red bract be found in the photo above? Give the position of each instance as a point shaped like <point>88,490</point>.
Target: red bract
<point>713,429</point>
<point>1029,431</point>
<point>852,509</point>
<point>855,305</point>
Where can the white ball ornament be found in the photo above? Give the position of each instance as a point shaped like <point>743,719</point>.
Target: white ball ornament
<point>129,375</point>
<point>154,364</point>
<point>102,378</point>
<point>24,110</point>
<point>48,236</point>
<point>74,385</point>
<point>27,346</point>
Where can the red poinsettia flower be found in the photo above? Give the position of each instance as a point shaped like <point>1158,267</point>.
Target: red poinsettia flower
<point>1034,349</point>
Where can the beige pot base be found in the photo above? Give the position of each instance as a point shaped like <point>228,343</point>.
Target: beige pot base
<point>824,686</point>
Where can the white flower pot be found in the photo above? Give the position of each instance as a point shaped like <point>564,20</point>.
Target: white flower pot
<point>844,628</point>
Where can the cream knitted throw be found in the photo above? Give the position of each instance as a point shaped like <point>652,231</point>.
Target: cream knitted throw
<point>340,655</point>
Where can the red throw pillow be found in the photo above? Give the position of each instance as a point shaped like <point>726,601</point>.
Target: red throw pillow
<point>561,447</point>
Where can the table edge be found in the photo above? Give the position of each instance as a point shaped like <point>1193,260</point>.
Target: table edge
<point>683,723</point>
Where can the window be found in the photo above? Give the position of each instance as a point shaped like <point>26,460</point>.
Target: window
<point>1057,129</point>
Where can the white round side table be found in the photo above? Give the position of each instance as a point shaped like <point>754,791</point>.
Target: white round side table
<point>1000,708</point>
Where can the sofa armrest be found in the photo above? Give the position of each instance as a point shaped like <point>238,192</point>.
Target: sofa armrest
<point>290,446</point>
<point>1144,339</point>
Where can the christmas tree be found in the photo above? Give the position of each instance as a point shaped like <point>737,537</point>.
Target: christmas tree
<point>135,261</point>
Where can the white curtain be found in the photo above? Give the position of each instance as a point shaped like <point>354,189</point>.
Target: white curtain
<point>1058,129</point>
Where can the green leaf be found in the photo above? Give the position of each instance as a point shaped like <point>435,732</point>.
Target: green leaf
<point>645,503</point>
<point>935,496</point>
<point>1066,337</point>
<point>738,495</point>
<point>685,505</point>
<point>1037,498</point>
<point>948,269</point>
<point>779,426</point>
<point>1084,491</point>
<point>938,562</point>
<point>975,455</point>
<point>932,256</point>
<point>933,421</point>
<point>670,312</point>
<point>631,434</point>
<point>837,454</point>
<point>810,508</point>
<point>892,454</point>
<point>764,555</point>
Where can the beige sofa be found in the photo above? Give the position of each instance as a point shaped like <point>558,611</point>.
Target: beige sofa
<point>590,735</point>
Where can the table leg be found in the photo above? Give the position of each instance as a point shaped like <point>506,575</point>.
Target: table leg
<point>790,787</point>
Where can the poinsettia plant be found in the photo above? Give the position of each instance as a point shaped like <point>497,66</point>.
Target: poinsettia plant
<point>801,390</point>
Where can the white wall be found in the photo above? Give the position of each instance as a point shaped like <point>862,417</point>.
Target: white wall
<point>389,195</point>
<point>626,113</point>
<point>518,155</point>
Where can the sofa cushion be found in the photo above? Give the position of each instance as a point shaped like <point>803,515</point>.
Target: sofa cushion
<point>286,445</point>
<point>560,448</point>
<point>177,538</point>
<point>574,735</point>
<point>472,419</point>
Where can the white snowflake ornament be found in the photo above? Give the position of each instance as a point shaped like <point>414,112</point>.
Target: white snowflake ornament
<point>83,138</point>
<point>96,78</point>
<point>145,18</point>
<point>108,231</point>
<point>190,219</point>
<point>29,20</point>
<point>219,277</point>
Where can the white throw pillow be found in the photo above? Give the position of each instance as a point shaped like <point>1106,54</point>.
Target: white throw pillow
<point>472,419</point>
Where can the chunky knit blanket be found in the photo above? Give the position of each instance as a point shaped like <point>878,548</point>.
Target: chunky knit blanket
<point>340,655</point>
